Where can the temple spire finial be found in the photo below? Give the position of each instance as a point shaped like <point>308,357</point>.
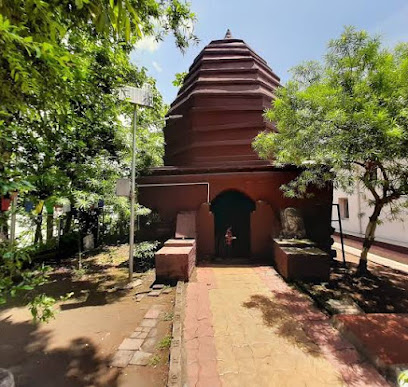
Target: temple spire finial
<point>228,34</point>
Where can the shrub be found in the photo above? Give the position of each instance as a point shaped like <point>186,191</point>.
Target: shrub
<point>144,254</point>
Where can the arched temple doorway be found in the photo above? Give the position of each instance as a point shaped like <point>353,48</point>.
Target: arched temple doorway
<point>232,209</point>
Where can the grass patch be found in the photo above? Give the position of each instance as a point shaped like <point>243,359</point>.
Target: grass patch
<point>165,343</point>
<point>168,316</point>
<point>78,274</point>
<point>154,360</point>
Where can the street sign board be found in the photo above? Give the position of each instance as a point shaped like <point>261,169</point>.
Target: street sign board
<point>142,96</point>
<point>123,187</point>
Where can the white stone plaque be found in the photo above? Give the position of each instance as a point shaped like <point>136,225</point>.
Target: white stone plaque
<point>142,96</point>
<point>123,187</point>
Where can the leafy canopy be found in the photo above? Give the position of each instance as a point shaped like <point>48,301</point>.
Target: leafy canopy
<point>345,119</point>
<point>179,79</point>
<point>61,129</point>
<point>44,60</point>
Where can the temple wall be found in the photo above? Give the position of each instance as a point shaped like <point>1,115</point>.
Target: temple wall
<point>262,187</point>
<point>221,104</point>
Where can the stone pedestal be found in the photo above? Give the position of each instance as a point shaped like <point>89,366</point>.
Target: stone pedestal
<point>176,260</point>
<point>301,260</point>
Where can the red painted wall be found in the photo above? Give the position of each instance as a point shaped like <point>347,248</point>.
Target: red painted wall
<point>263,187</point>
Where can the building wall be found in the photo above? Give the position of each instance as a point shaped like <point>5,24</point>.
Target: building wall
<point>263,187</point>
<point>392,232</point>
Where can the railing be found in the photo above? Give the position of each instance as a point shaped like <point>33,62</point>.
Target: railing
<point>340,231</point>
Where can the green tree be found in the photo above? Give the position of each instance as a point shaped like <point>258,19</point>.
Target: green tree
<point>78,148</point>
<point>62,132</point>
<point>40,60</point>
<point>179,79</point>
<point>346,121</point>
<point>61,63</point>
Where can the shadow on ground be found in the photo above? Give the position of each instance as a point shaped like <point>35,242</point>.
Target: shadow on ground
<point>278,313</point>
<point>74,349</point>
<point>23,351</point>
<point>293,318</point>
<point>97,283</point>
<point>384,336</point>
<point>383,290</point>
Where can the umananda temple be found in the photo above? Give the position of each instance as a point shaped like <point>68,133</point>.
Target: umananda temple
<point>213,183</point>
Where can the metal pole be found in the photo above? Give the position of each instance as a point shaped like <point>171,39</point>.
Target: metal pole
<point>341,236</point>
<point>13,218</point>
<point>132,197</point>
<point>59,223</point>
<point>79,246</point>
<point>341,233</point>
<point>103,224</point>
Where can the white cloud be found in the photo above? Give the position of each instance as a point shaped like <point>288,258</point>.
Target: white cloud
<point>157,67</point>
<point>148,43</point>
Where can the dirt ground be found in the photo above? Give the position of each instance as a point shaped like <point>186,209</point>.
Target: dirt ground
<point>384,290</point>
<point>75,348</point>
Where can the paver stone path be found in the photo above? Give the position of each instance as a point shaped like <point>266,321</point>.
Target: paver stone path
<point>244,326</point>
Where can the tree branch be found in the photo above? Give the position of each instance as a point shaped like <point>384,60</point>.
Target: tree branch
<point>386,185</point>
<point>367,183</point>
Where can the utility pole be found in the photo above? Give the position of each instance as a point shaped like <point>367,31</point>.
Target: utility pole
<point>137,96</point>
<point>132,197</point>
<point>142,97</point>
<point>13,217</point>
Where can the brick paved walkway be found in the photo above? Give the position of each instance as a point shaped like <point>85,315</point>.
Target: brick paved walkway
<point>382,336</point>
<point>244,326</point>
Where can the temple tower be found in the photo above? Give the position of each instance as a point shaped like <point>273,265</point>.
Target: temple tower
<point>222,100</point>
<point>210,168</point>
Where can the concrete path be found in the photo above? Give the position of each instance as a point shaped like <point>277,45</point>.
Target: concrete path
<point>375,258</point>
<point>244,326</point>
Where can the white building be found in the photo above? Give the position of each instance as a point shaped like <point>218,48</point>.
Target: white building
<point>355,211</point>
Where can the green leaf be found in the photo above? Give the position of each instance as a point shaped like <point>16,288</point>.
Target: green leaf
<point>127,29</point>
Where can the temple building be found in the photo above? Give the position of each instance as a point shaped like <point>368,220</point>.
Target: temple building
<point>210,168</point>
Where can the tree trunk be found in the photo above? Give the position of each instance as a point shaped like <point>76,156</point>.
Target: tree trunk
<point>369,239</point>
<point>50,227</point>
<point>68,221</point>
<point>38,230</point>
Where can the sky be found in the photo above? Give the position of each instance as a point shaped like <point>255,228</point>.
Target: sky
<point>284,33</point>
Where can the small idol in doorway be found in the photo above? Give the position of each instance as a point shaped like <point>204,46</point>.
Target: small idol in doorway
<point>229,237</point>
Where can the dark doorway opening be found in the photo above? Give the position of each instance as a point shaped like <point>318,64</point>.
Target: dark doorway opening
<point>232,209</point>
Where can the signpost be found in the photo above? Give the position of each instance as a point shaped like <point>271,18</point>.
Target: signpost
<point>123,187</point>
<point>143,97</point>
